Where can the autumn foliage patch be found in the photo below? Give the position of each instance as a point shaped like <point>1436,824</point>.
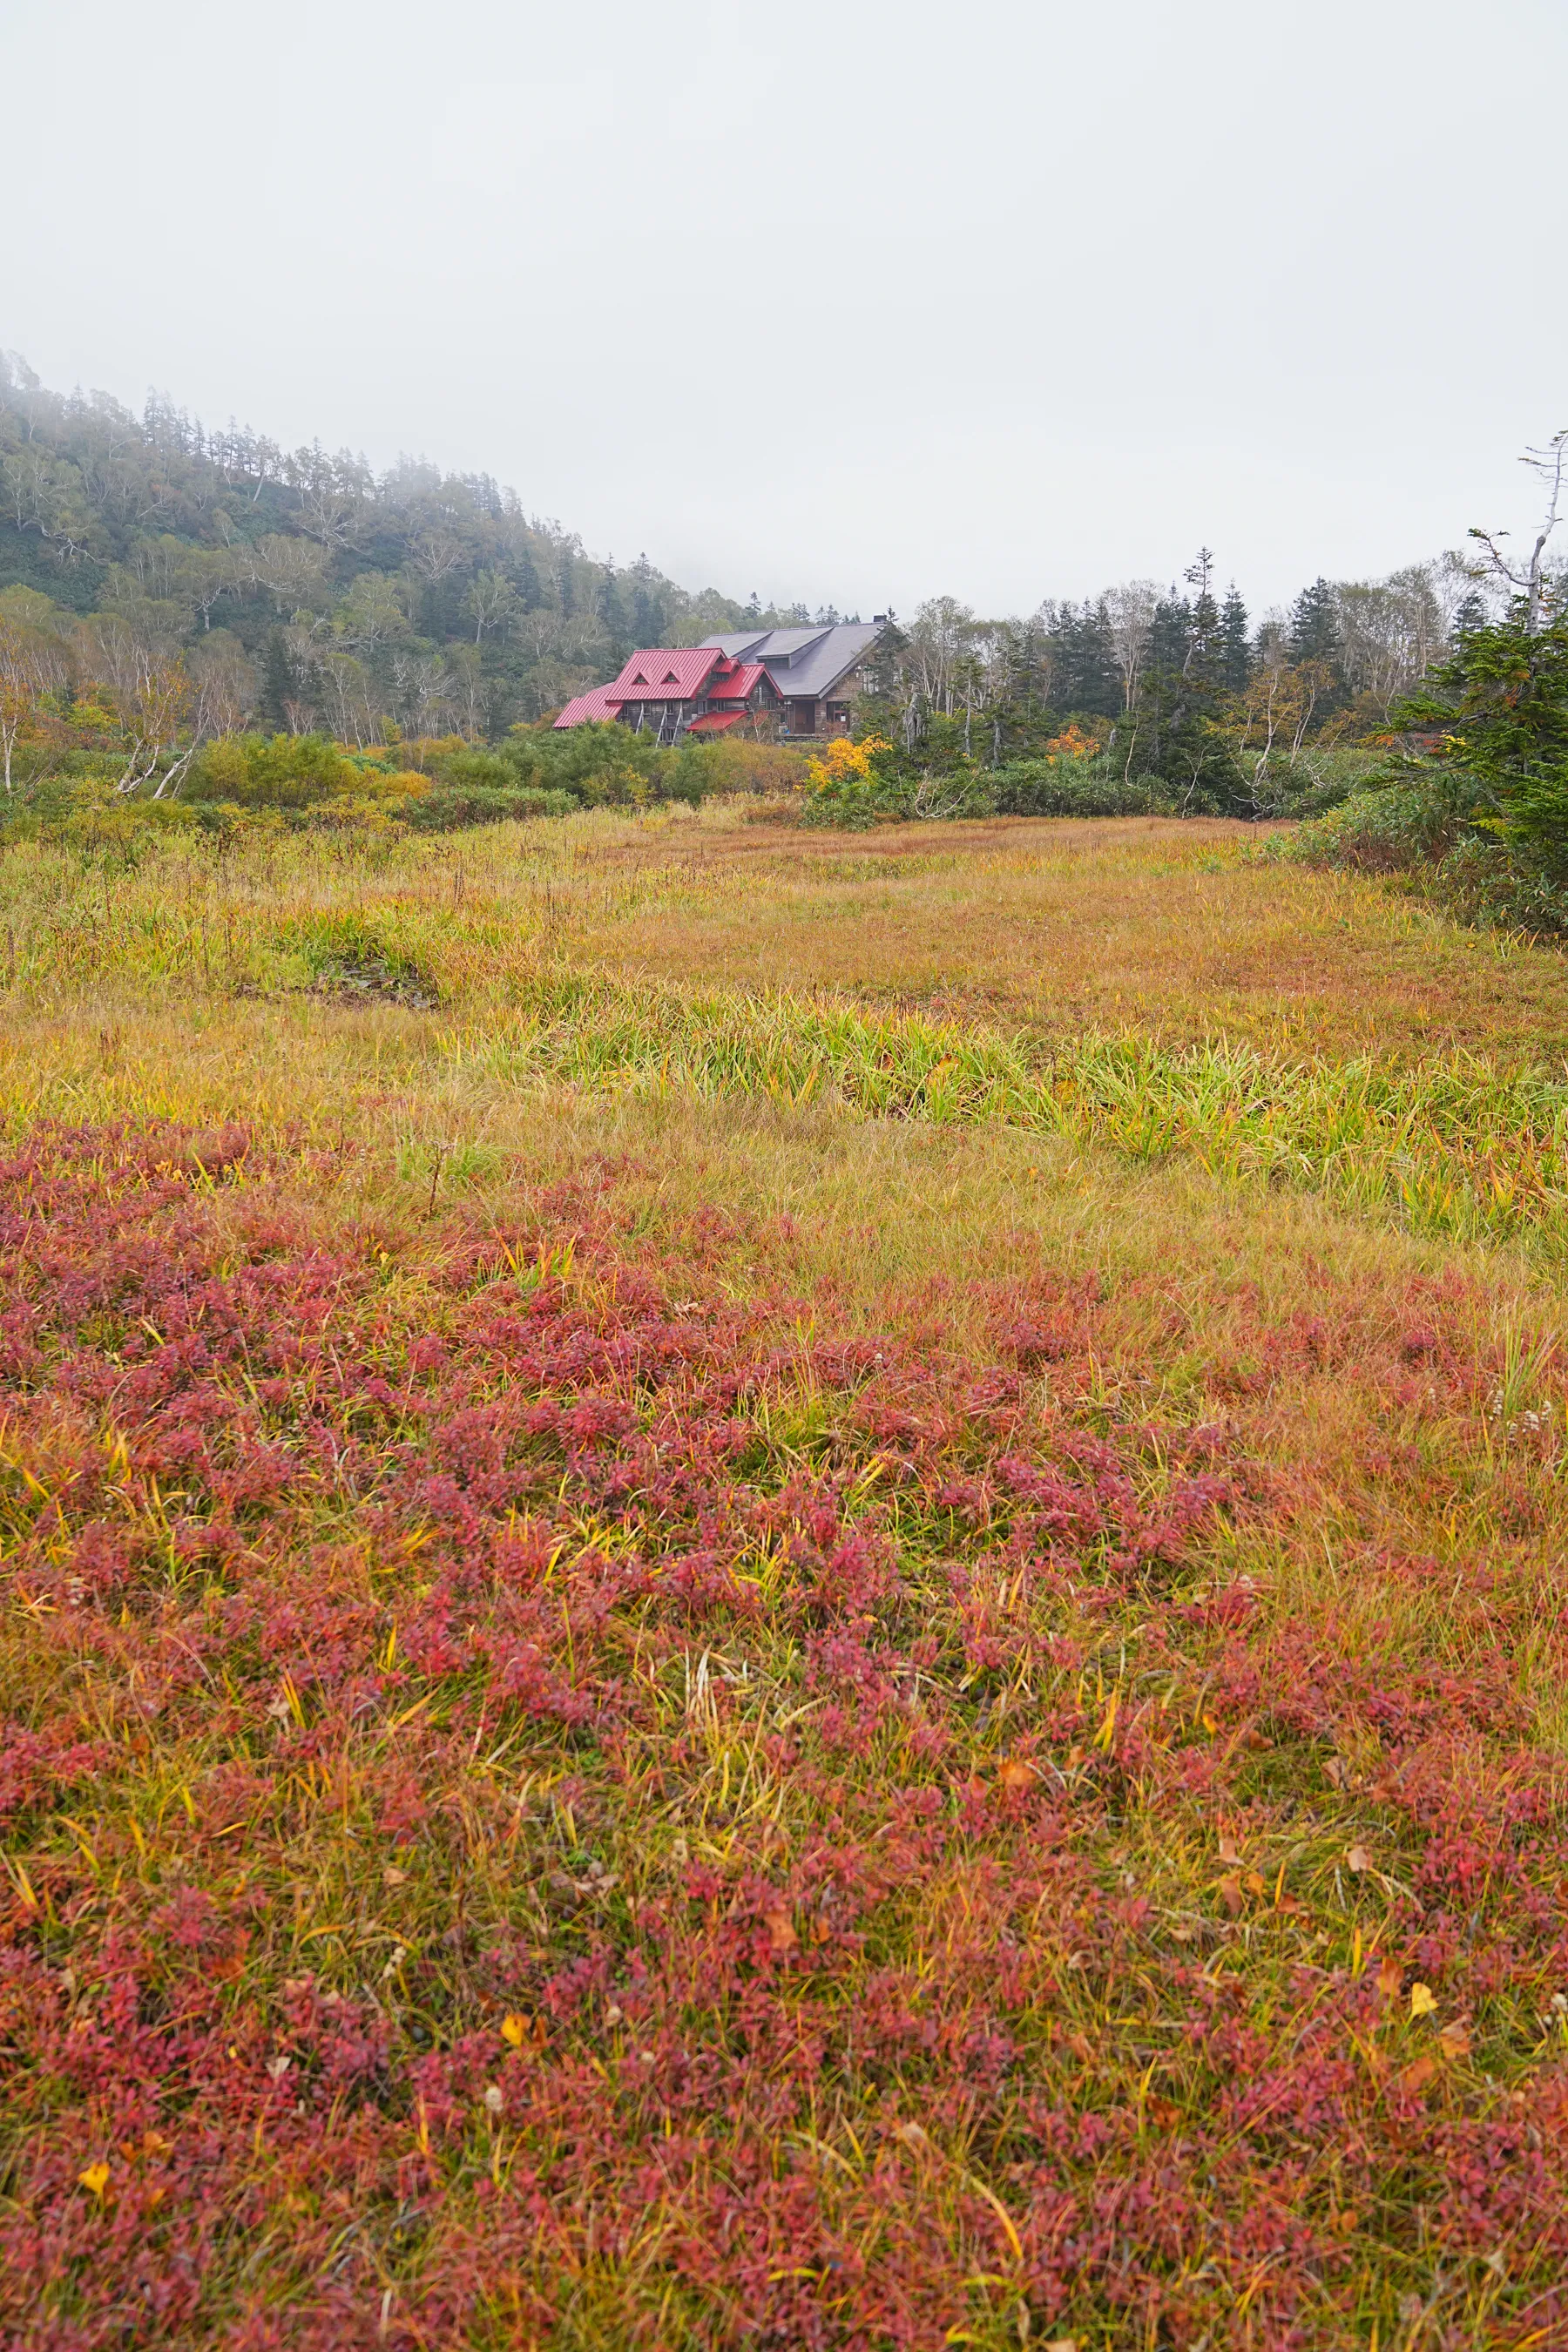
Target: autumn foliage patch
<point>545,1804</point>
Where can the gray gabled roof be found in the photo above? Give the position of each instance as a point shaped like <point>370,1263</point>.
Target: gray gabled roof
<point>808,662</point>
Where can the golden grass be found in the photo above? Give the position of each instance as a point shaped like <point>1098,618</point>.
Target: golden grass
<point>631,1013</point>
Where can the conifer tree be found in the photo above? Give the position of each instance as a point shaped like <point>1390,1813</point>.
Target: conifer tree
<point>1170,634</point>
<point>1086,676</point>
<point>278,686</point>
<point>1235,653</point>
<point>1469,615</point>
<point>525,580</point>
<point>611,610</point>
<point>1315,624</point>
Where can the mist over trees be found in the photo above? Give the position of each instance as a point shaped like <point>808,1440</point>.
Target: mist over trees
<point>299,590</point>
<point>164,586</point>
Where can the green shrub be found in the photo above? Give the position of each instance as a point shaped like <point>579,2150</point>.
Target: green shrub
<point>1483,883</point>
<point>271,772</point>
<point>1391,830</point>
<point>451,807</point>
<point>471,771</point>
<point>1064,787</point>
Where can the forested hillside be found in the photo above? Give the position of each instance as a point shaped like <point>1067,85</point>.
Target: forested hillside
<point>307,591</point>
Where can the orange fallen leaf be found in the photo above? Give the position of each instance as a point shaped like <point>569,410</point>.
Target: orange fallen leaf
<point>1455,2042</point>
<point>1254,1883</point>
<point>1358,1860</point>
<point>781,1937</point>
<point>1230,1895</point>
<point>1416,2077</point>
<point>1229,1850</point>
<point>1165,2113</point>
<point>95,2180</point>
<point>1016,1776</point>
<point>1390,1980</point>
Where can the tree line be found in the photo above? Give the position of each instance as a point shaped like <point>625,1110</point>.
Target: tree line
<point>164,586</point>
<point>1175,686</point>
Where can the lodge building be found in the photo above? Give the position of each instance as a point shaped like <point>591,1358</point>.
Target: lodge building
<point>796,683</point>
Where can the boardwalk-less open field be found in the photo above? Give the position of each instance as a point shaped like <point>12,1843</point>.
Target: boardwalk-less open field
<point>761,1590</point>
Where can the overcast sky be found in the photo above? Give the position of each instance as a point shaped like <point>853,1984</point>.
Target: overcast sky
<point>836,300</point>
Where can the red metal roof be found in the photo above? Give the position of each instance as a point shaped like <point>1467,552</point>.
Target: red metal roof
<point>599,702</point>
<point>714,722</point>
<point>666,674</point>
<point>737,685</point>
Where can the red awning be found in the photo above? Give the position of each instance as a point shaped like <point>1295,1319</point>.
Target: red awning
<point>714,722</point>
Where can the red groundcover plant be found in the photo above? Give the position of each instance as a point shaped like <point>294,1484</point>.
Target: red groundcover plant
<point>543,1804</point>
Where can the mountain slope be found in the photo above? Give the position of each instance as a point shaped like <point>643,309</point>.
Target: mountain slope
<point>340,598</point>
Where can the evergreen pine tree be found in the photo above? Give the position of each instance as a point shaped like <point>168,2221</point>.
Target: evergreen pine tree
<point>568,589</point>
<point>278,686</point>
<point>1170,634</point>
<point>1234,649</point>
<point>1203,642</point>
<point>525,580</point>
<point>1470,616</point>
<point>650,620</point>
<point>611,610</point>
<point>1314,624</point>
<point>1086,678</point>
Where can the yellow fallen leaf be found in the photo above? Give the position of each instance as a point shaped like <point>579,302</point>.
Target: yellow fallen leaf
<point>781,1937</point>
<point>1423,2001</point>
<point>95,2178</point>
<point>514,2029</point>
